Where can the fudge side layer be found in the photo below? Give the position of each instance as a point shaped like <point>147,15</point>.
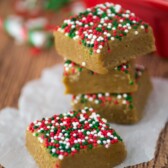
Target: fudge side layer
<point>125,108</point>
<point>79,80</point>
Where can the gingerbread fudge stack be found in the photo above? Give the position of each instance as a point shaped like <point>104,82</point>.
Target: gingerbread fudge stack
<point>99,47</point>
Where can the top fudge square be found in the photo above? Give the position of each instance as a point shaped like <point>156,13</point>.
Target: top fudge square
<point>104,37</point>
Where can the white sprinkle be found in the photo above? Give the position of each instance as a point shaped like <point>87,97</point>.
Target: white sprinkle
<point>115,137</point>
<point>112,38</point>
<point>127,15</point>
<point>72,149</point>
<point>136,32</point>
<point>126,30</point>
<point>90,109</point>
<point>90,125</point>
<point>83,111</point>
<point>74,102</point>
<point>76,37</point>
<point>61,30</point>
<point>104,120</point>
<point>100,46</point>
<point>119,97</point>
<point>53,121</point>
<point>73,26</point>
<point>104,142</point>
<point>86,96</point>
<point>108,35</point>
<point>142,27</point>
<point>40,139</point>
<point>127,11</point>
<point>60,157</point>
<point>98,50</point>
<point>112,14</point>
<point>119,25</point>
<point>124,95</point>
<point>91,23</point>
<point>75,141</point>
<point>107,145</point>
<point>129,27</point>
<point>107,94</point>
<point>90,99</point>
<point>117,8</point>
<point>83,63</point>
<point>53,150</point>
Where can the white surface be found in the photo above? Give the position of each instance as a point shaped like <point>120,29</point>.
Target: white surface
<point>44,97</point>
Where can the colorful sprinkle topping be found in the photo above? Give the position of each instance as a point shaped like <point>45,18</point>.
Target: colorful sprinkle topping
<point>103,98</point>
<point>106,22</point>
<point>68,133</point>
<point>72,68</point>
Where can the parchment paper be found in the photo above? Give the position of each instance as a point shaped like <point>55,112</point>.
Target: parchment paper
<point>45,97</point>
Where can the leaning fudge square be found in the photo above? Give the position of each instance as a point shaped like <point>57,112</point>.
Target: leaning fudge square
<point>79,80</point>
<point>120,108</point>
<point>77,139</point>
<point>103,37</point>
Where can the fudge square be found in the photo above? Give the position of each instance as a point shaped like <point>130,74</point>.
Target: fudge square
<point>79,80</point>
<point>125,108</point>
<point>77,139</point>
<point>103,37</point>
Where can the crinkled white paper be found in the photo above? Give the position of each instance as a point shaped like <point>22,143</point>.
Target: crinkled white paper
<point>45,97</point>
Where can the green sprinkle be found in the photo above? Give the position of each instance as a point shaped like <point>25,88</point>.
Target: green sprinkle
<point>91,51</point>
<point>99,29</point>
<point>118,137</point>
<point>90,146</point>
<point>131,82</point>
<point>64,25</point>
<point>35,127</point>
<point>68,62</point>
<point>80,69</point>
<point>131,106</point>
<point>104,15</point>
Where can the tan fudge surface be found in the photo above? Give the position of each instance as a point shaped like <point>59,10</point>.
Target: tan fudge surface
<point>102,50</point>
<point>79,80</point>
<point>126,108</point>
<point>54,142</point>
<point>96,158</point>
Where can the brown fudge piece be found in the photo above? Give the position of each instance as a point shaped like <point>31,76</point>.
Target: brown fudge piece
<point>104,37</point>
<point>125,108</point>
<point>77,139</point>
<point>79,80</point>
